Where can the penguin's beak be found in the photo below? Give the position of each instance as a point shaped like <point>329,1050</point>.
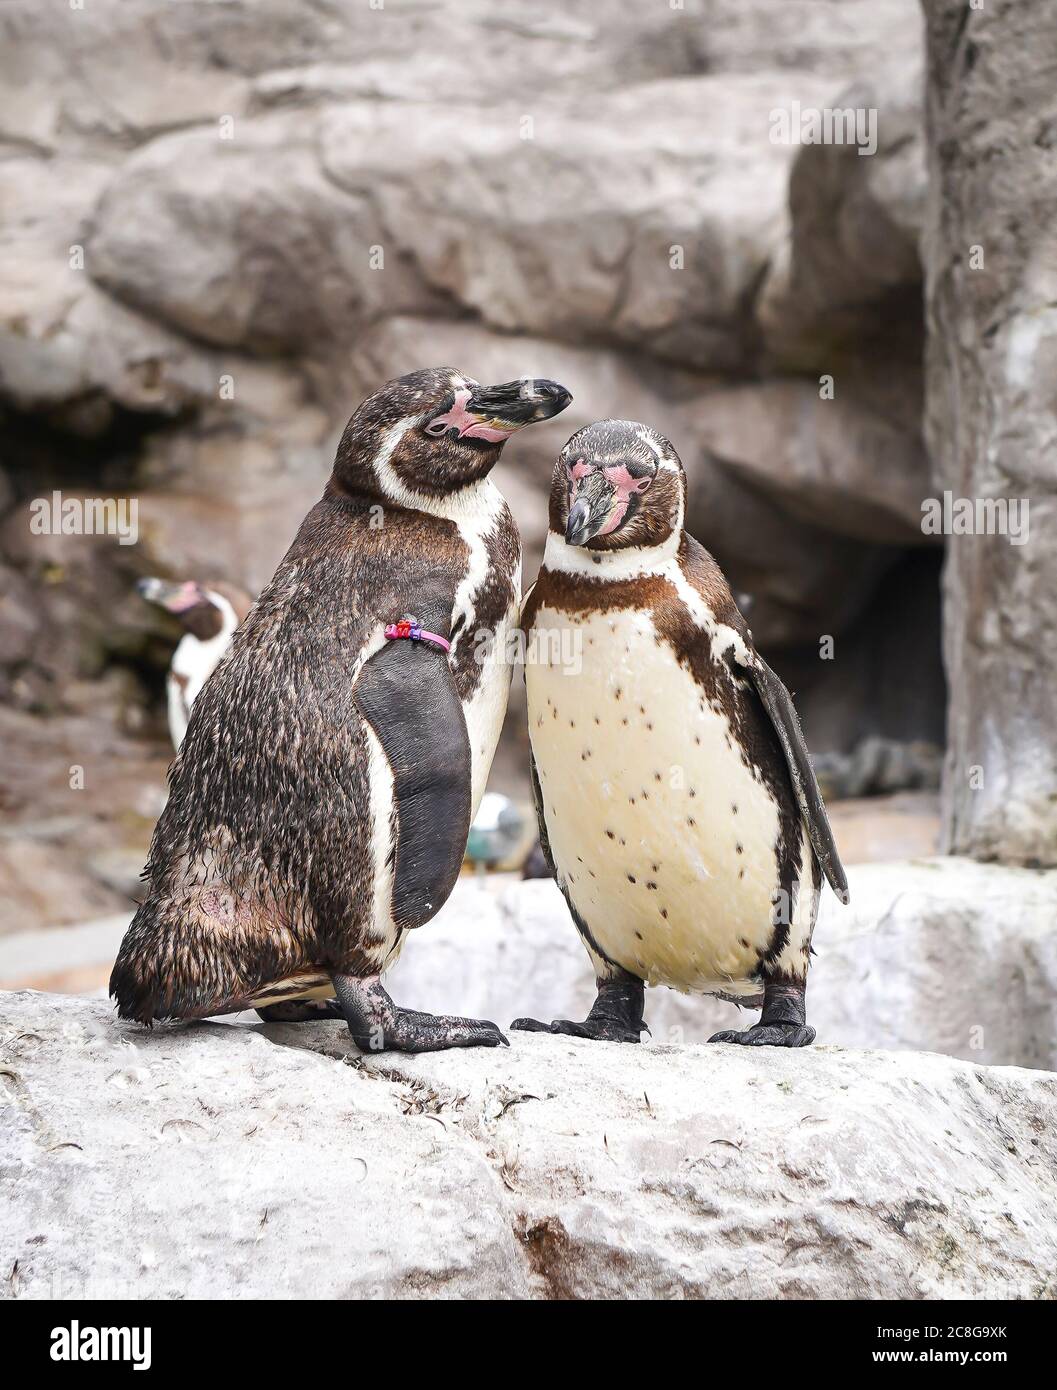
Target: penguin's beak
<point>591,506</point>
<point>518,403</point>
<point>174,598</point>
<point>493,413</point>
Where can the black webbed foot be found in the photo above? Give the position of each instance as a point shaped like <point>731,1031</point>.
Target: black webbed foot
<point>596,1029</point>
<point>768,1035</point>
<point>783,1022</point>
<point>379,1025</point>
<point>616,1015</point>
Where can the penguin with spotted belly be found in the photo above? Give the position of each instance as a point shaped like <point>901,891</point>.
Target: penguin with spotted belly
<point>675,795</point>
<point>320,801</point>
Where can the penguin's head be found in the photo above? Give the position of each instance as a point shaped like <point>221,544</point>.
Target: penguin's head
<point>617,484</point>
<point>203,610</point>
<point>435,432</point>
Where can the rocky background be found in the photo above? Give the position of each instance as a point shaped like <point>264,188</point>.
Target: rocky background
<point>221,224</point>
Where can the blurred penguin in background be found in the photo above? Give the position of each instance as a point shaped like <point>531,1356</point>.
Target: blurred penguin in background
<point>209,615</point>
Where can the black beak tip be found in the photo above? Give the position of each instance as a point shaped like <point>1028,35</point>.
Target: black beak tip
<point>577,529</point>
<point>555,397</point>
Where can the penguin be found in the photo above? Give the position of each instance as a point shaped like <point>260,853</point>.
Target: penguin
<point>209,615</point>
<point>320,801</point>
<point>675,796</point>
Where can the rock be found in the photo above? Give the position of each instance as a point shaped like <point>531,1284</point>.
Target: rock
<point>992,416</point>
<point>939,954</point>
<point>217,1161</point>
<point>245,242</point>
<point>600,222</point>
<point>849,689</point>
<point>852,466</point>
<point>879,766</point>
<point>880,829</point>
<point>40,887</point>
<point>849,277</point>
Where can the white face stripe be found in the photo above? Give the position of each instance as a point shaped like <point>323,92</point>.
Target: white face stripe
<point>466,503</point>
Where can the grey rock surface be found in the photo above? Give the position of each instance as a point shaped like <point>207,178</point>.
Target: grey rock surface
<point>992,415</point>
<point>276,1161</point>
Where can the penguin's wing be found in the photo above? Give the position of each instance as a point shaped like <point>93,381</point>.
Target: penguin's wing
<point>707,579</point>
<point>778,703</point>
<point>407,694</point>
<point>537,801</point>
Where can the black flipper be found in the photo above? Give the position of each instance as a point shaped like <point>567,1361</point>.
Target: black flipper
<point>537,801</point>
<point>779,706</point>
<point>407,694</point>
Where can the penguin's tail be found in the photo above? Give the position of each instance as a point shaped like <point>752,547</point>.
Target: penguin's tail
<point>172,968</point>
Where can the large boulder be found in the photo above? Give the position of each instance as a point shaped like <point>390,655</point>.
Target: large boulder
<point>847,281</point>
<point>852,465</point>
<point>992,415</point>
<point>628,220</point>
<point>264,1161</point>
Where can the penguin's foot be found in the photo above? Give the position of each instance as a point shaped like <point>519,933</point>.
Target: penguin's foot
<point>379,1025</point>
<point>783,1022</point>
<point>768,1035</point>
<point>301,1011</point>
<point>616,1015</point>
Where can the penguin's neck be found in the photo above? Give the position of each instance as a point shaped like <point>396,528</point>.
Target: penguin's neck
<point>636,562</point>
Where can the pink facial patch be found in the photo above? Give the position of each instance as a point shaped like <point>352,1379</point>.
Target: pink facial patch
<point>578,470</point>
<point>468,425</point>
<point>187,596</point>
<point>624,488</point>
<point>624,483</point>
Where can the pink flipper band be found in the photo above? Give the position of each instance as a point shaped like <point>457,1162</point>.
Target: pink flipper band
<point>415,632</point>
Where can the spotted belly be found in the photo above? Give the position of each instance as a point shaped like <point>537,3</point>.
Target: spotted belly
<point>662,835</point>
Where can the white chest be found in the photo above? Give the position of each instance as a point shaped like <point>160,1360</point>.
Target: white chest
<point>664,838</point>
<point>485,711</point>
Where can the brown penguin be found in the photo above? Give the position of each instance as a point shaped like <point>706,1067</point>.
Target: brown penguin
<point>320,802</point>
<point>675,795</point>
